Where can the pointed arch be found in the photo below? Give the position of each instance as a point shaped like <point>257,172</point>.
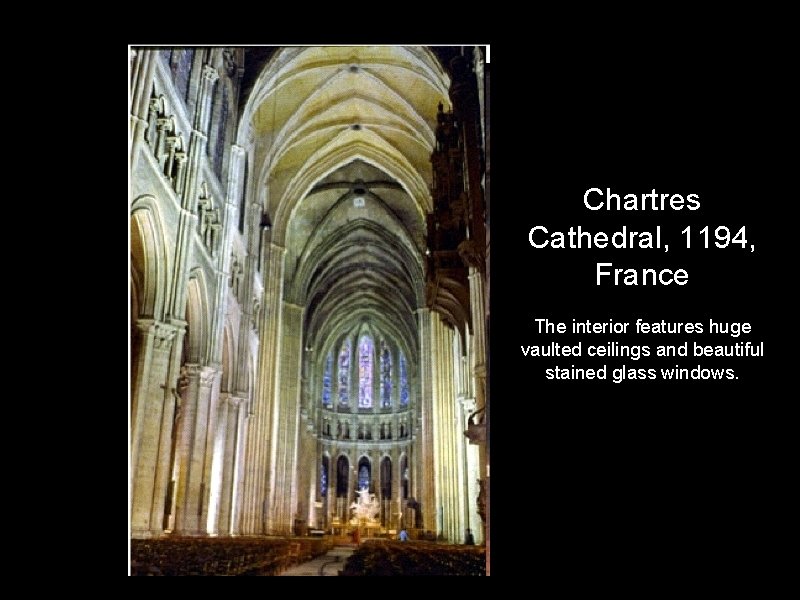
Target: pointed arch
<point>197,318</point>
<point>149,266</point>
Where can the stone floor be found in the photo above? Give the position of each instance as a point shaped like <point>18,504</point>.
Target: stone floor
<point>326,565</point>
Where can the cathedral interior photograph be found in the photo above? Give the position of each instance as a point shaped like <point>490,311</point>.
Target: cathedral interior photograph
<point>309,308</point>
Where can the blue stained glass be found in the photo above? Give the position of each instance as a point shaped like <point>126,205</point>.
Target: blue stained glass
<point>323,480</point>
<point>365,373</point>
<point>363,477</point>
<point>344,373</point>
<point>386,375</point>
<point>326,381</point>
<point>403,381</point>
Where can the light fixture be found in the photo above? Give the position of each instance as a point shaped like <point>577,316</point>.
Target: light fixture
<point>265,224</point>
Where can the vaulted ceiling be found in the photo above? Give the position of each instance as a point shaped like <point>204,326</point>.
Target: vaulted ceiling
<point>341,139</point>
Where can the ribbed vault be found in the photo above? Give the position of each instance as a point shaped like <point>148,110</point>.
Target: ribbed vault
<point>341,141</point>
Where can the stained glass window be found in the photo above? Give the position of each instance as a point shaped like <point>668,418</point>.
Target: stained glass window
<point>326,380</point>
<point>344,373</point>
<point>403,381</point>
<point>365,373</point>
<point>363,477</point>
<point>323,477</point>
<point>386,375</point>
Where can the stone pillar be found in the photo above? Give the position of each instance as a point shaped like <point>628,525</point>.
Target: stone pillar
<point>261,425</point>
<point>229,419</point>
<point>397,491</point>
<point>449,440</point>
<point>220,463</point>
<point>479,311</point>
<point>194,453</point>
<point>238,468</point>
<point>283,494</point>
<point>306,471</point>
<point>333,476</point>
<point>353,487</point>
<point>424,464</point>
<point>440,462</point>
<point>153,410</point>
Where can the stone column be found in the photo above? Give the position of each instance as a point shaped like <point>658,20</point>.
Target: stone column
<point>153,410</point>
<point>333,477</point>
<point>220,461</point>
<point>194,451</point>
<point>228,419</point>
<point>448,460</point>
<point>285,492</point>
<point>259,470</point>
<point>424,465</point>
<point>238,467</point>
<point>397,491</point>
<point>479,311</point>
<point>306,470</point>
<point>439,424</point>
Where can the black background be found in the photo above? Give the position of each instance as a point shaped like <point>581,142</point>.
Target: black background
<point>635,475</point>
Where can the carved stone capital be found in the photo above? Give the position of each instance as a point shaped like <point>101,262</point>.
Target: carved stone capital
<point>207,376</point>
<point>163,335</point>
<point>144,326</point>
<point>235,401</point>
<point>191,371</point>
<point>174,141</point>
<point>210,73</point>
